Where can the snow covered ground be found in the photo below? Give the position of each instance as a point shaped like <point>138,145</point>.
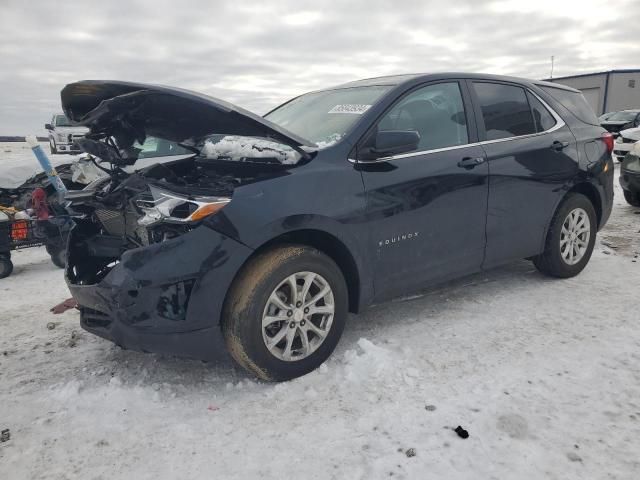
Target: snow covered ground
<point>544,374</point>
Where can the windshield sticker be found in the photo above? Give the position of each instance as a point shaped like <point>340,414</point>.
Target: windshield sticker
<point>356,108</point>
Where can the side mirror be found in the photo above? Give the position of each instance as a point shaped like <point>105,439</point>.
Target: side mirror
<point>48,126</point>
<point>390,142</point>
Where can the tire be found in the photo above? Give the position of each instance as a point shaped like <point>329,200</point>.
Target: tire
<point>632,199</point>
<point>250,298</point>
<point>552,261</point>
<point>6,266</point>
<point>52,147</point>
<point>58,257</point>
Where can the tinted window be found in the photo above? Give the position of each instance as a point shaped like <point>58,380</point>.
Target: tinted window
<point>541,116</point>
<point>574,102</point>
<point>436,112</point>
<point>505,110</point>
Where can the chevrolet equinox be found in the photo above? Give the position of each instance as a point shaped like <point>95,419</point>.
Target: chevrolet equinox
<point>257,235</point>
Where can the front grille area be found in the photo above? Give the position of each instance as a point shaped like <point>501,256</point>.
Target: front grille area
<point>113,221</point>
<point>93,318</point>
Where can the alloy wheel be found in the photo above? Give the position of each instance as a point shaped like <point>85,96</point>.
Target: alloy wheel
<point>298,316</point>
<point>574,236</point>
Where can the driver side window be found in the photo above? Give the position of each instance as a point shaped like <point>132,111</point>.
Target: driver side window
<point>436,112</point>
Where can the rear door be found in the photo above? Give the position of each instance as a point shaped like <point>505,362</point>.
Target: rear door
<point>427,208</point>
<point>531,155</point>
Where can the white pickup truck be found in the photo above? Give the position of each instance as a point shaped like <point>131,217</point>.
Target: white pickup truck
<point>63,135</point>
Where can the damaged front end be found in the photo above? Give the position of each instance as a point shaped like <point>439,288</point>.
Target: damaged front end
<point>146,268</point>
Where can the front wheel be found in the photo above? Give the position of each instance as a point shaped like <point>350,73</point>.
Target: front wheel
<point>285,312</point>
<point>52,147</point>
<point>570,240</point>
<point>6,265</point>
<point>632,199</point>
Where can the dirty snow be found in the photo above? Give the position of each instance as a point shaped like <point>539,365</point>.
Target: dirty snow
<point>18,163</point>
<point>544,375</point>
<point>236,147</point>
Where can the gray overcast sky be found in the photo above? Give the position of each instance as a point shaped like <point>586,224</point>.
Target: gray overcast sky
<point>257,54</point>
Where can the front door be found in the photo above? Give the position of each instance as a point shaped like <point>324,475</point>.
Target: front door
<point>427,208</point>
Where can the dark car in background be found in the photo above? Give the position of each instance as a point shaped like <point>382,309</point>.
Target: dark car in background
<point>621,121</point>
<point>630,176</point>
<point>276,227</point>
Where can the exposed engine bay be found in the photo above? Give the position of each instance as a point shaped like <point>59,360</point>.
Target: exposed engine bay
<point>124,211</point>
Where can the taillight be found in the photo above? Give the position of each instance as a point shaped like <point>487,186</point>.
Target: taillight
<point>607,138</point>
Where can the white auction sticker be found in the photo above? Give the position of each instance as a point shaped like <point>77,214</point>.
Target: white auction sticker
<point>356,108</point>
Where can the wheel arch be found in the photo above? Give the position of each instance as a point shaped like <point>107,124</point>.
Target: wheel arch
<point>591,192</point>
<point>328,244</point>
<point>588,190</point>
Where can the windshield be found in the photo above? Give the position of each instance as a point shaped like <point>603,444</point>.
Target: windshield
<point>324,117</point>
<point>62,121</point>
<point>623,116</point>
<point>159,147</point>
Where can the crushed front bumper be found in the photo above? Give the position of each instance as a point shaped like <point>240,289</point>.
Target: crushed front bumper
<point>164,298</point>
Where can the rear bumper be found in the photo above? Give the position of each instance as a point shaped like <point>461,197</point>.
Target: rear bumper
<point>165,298</point>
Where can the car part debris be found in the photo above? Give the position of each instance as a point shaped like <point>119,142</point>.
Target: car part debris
<point>462,433</point>
<point>62,307</point>
<point>51,326</point>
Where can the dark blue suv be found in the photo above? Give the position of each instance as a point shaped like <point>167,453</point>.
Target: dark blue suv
<point>257,235</point>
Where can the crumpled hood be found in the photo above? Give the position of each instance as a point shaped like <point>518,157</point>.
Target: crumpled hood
<point>132,111</point>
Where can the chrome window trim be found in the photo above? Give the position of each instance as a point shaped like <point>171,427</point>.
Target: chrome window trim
<point>559,124</point>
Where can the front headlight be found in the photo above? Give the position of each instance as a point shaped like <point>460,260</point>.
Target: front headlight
<point>61,137</point>
<point>171,207</point>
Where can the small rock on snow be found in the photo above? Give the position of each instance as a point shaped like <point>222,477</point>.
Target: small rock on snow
<point>462,433</point>
<point>574,457</point>
<point>429,408</point>
<point>5,435</point>
<point>411,452</point>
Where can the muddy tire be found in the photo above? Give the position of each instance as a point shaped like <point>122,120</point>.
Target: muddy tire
<point>571,238</point>
<point>285,312</point>
<point>52,147</point>
<point>6,266</point>
<point>632,199</point>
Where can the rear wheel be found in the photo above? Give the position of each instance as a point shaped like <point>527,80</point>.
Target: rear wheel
<point>285,312</point>
<point>570,239</point>
<point>6,265</point>
<point>632,199</point>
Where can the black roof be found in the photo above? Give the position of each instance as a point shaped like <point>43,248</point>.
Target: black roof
<point>394,80</point>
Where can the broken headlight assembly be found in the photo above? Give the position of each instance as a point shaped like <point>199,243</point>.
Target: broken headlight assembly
<point>170,207</point>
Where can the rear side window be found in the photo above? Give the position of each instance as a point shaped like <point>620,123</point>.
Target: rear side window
<point>505,110</point>
<point>574,102</point>
<point>541,116</point>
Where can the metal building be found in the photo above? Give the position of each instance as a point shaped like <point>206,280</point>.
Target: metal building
<point>607,91</point>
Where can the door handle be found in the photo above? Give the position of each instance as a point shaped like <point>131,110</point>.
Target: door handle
<point>470,162</point>
<point>558,145</point>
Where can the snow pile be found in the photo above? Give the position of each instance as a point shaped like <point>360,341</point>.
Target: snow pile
<point>239,148</point>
